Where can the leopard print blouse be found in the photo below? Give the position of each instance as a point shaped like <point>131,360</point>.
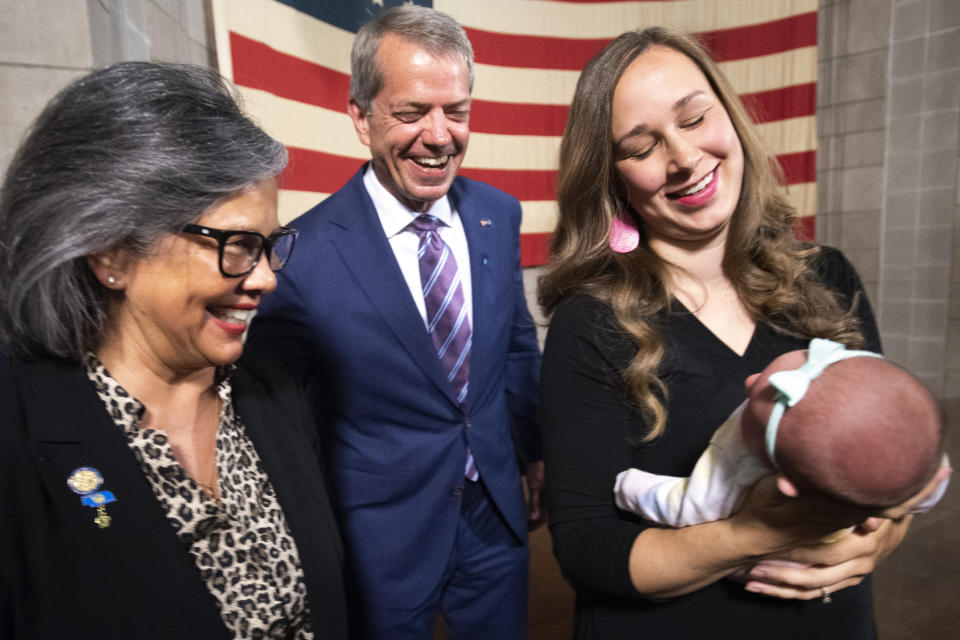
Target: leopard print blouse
<point>241,543</point>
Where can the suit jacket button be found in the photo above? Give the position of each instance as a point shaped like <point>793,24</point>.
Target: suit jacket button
<point>457,491</point>
<point>468,423</point>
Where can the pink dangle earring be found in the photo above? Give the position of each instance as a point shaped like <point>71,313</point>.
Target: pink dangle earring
<point>624,235</point>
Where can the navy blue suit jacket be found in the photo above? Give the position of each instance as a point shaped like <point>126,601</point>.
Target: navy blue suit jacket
<point>395,439</point>
<point>63,577</point>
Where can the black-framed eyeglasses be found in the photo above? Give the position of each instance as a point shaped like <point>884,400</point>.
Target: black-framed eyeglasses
<point>240,251</point>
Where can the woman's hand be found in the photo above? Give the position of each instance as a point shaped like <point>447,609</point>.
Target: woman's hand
<point>666,562</point>
<point>775,518</point>
<point>816,571</point>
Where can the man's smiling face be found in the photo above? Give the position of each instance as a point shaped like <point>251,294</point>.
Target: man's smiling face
<point>417,127</point>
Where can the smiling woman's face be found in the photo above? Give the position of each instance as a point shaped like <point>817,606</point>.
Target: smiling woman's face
<point>178,312</point>
<point>675,149</point>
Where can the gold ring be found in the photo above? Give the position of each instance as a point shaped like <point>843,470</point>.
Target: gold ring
<point>825,596</point>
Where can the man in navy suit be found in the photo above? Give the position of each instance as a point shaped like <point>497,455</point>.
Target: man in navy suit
<point>421,457</point>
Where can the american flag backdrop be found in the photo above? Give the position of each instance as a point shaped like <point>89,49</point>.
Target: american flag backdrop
<point>291,60</point>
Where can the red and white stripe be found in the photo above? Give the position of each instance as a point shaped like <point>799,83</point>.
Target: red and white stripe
<point>293,72</point>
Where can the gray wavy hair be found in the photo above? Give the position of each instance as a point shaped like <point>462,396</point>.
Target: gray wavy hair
<point>433,30</point>
<point>117,159</point>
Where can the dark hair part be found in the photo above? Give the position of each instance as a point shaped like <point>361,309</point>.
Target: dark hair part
<point>432,30</point>
<point>117,159</point>
<point>771,271</point>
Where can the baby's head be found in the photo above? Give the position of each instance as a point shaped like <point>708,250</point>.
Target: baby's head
<point>865,432</point>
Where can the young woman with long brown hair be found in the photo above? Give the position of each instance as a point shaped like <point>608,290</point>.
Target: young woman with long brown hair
<point>674,275</point>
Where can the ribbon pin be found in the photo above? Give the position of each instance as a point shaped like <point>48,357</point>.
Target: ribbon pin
<point>85,482</point>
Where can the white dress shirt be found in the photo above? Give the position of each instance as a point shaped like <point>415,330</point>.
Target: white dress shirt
<point>394,217</point>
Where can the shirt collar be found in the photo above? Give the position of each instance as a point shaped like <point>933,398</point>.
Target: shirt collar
<point>394,215</point>
<point>112,390</point>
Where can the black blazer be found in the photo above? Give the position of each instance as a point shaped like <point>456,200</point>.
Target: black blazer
<point>61,576</point>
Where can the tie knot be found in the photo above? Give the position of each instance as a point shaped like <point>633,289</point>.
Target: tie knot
<point>424,223</point>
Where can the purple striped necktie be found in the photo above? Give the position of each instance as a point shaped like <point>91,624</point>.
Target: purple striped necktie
<point>447,321</point>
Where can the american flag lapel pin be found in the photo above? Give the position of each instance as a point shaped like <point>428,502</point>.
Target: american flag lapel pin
<point>485,222</point>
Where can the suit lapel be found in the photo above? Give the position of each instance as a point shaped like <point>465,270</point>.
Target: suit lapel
<point>76,431</point>
<point>479,230</point>
<point>290,466</point>
<point>69,428</point>
<point>358,237</point>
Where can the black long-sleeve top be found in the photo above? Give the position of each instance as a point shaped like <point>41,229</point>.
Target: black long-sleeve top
<point>592,431</point>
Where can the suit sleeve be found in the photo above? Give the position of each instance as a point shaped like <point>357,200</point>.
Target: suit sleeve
<point>6,596</point>
<point>11,551</point>
<point>281,327</point>
<point>6,613</point>
<point>287,391</point>
<point>523,366</point>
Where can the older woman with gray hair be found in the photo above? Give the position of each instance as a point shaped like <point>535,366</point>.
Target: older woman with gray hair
<point>153,483</point>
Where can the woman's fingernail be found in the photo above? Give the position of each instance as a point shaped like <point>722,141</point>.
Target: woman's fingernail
<point>757,573</point>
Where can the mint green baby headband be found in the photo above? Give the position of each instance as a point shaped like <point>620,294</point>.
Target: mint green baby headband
<point>791,386</point>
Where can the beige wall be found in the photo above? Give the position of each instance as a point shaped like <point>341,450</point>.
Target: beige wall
<point>887,169</point>
<point>888,118</point>
<point>45,44</point>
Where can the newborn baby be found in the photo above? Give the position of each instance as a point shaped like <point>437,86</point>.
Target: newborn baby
<point>866,434</point>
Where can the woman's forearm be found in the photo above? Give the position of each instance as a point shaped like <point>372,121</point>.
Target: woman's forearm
<point>665,563</point>
<point>670,562</point>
